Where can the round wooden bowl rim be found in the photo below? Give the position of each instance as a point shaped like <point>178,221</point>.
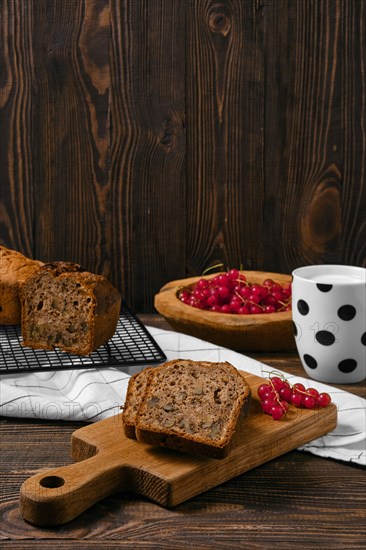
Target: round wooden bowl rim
<point>177,310</point>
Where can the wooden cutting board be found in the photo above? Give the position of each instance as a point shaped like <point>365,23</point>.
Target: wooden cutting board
<point>108,462</point>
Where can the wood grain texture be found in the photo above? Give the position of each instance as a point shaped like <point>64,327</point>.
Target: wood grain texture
<point>260,332</point>
<point>109,462</point>
<point>148,140</point>
<point>225,140</point>
<point>281,493</point>
<point>291,501</point>
<point>71,132</point>
<point>313,135</point>
<point>147,145</point>
<point>16,162</point>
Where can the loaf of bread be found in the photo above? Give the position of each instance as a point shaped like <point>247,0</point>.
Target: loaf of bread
<point>14,269</point>
<point>66,307</point>
<point>190,406</point>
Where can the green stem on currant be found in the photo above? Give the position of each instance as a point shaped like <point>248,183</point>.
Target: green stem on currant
<point>276,373</point>
<point>208,269</point>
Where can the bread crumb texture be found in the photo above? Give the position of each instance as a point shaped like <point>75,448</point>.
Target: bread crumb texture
<point>64,306</point>
<point>190,405</point>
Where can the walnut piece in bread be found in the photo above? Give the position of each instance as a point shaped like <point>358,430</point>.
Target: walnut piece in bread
<point>67,307</point>
<point>191,406</point>
<point>14,270</point>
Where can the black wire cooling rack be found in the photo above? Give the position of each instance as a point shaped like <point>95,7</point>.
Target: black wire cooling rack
<point>131,345</point>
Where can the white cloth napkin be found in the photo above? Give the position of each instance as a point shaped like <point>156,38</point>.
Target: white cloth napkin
<point>89,395</point>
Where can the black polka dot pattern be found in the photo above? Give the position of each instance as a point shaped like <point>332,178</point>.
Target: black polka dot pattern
<point>310,361</point>
<point>303,307</point>
<point>346,313</point>
<point>347,365</point>
<point>324,288</point>
<point>325,337</point>
<point>343,315</point>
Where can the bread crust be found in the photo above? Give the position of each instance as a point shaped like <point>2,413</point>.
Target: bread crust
<point>15,268</point>
<point>103,298</point>
<point>135,392</point>
<point>149,431</point>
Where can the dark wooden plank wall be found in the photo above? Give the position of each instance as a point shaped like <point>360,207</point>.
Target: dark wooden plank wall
<point>149,139</point>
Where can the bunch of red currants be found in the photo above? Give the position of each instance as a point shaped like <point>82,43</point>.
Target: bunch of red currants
<point>230,292</point>
<point>277,394</point>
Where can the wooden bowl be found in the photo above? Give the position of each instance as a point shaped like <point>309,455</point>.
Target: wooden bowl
<point>259,332</point>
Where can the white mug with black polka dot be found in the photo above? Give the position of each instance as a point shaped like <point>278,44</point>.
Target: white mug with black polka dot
<point>329,318</point>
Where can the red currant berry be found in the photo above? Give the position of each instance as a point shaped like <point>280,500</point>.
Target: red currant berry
<point>184,296</point>
<point>299,386</point>
<point>277,382</point>
<point>244,291</point>
<point>277,411</point>
<point>202,283</point>
<point>263,389</point>
<point>270,394</point>
<point>277,295</point>
<point>233,274</point>
<point>276,287</point>
<point>286,393</point>
<point>255,309</point>
<point>198,294</point>
<point>296,399</point>
<point>212,301</point>
<point>269,300</point>
<point>324,399</point>
<point>286,292</point>
<point>254,299</point>
<point>268,297</point>
<point>223,279</point>
<point>309,402</point>
<point>267,405</point>
<point>223,291</point>
<point>234,306</point>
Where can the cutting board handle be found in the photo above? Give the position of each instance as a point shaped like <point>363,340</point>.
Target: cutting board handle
<point>56,496</point>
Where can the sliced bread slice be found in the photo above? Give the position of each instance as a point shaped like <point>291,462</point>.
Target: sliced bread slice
<point>192,406</point>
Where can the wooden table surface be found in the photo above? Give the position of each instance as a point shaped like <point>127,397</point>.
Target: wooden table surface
<point>295,501</point>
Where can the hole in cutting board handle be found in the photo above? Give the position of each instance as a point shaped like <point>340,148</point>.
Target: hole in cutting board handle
<point>52,482</point>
